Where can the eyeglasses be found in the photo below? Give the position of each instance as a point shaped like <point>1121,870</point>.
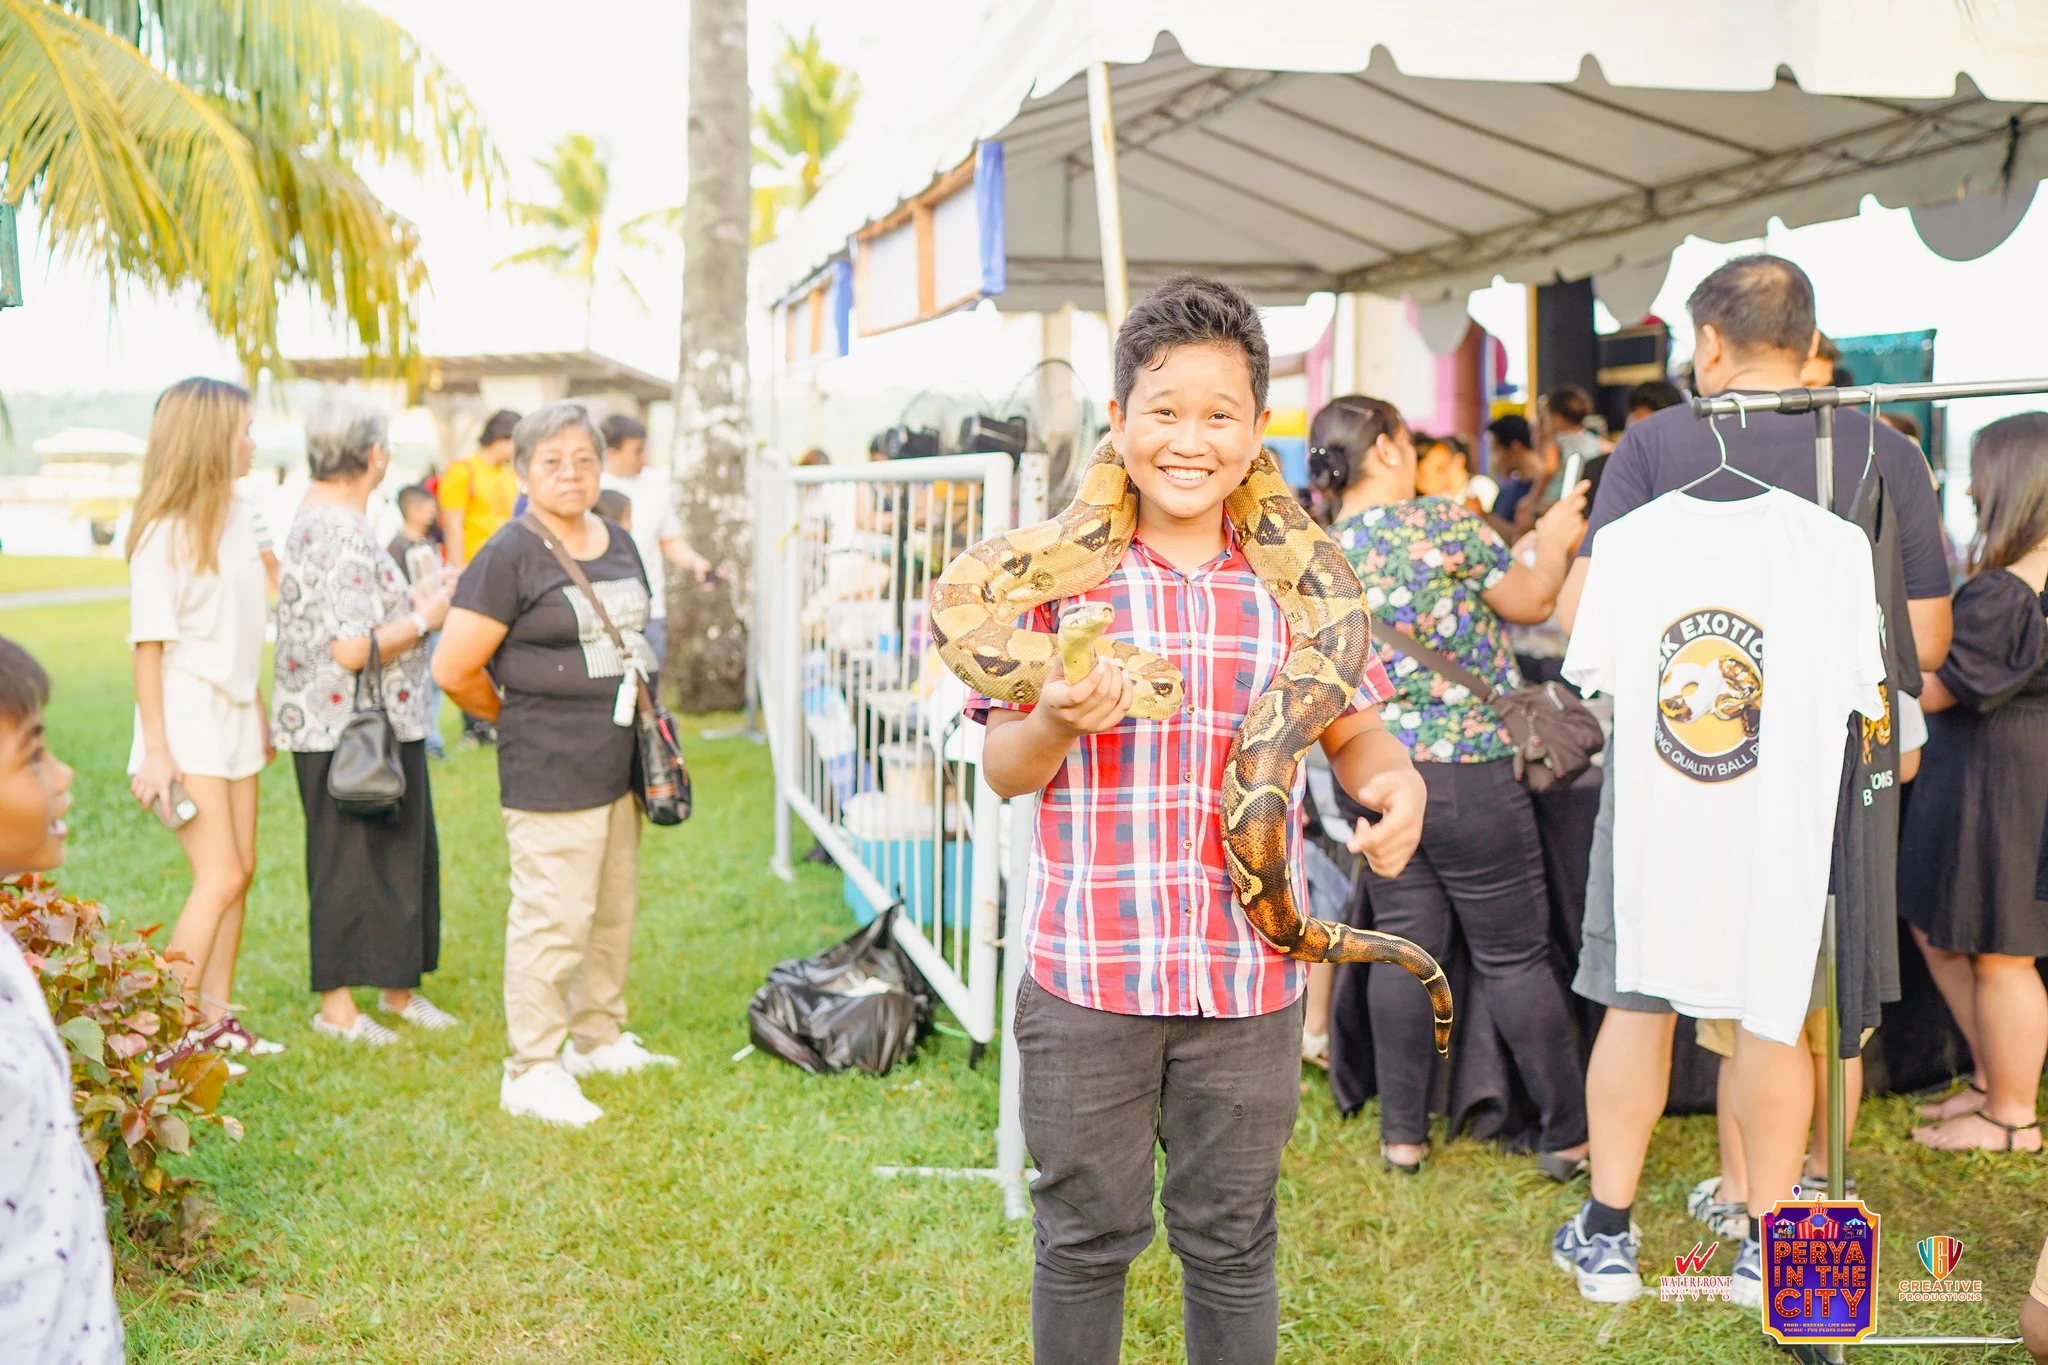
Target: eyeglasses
<point>565,466</point>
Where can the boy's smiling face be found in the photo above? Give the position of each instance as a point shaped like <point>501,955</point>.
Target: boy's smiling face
<point>35,793</point>
<point>1188,433</point>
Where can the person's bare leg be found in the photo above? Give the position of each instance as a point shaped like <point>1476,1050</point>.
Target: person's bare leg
<point>2012,1024</point>
<point>2034,1328</point>
<point>397,1000</point>
<point>1734,1170</point>
<point>217,982</point>
<point>1773,1107</point>
<point>1852,1096</point>
<point>218,882</point>
<point>338,1007</point>
<point>1957,982</point>
<point>1627,1083</point>
<point>1315,1022</point>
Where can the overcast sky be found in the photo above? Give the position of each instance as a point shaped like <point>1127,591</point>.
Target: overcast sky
<point>538,69</point>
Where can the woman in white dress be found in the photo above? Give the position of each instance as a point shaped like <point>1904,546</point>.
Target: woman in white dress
<point>196,612</point>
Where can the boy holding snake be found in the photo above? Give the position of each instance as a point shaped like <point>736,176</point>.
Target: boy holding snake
<point>1153,1014</point>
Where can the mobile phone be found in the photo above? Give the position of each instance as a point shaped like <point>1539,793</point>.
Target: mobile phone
<point>1567,478</point>
<point>175,807</point>
<point>422,563</point>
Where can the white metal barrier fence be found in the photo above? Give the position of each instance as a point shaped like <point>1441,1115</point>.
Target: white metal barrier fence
<point>870,746</point>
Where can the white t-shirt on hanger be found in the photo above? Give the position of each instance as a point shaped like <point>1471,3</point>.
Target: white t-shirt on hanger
<point>1728,756</point>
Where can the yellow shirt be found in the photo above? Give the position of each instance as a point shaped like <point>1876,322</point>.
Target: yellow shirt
<point>482,495</point>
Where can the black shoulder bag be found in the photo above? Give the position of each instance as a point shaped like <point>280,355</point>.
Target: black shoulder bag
<point>1554,734</point>
<point>365,777</point>
<point>661,780</point>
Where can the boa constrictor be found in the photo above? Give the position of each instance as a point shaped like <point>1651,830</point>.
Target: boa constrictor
<point>986,589</point>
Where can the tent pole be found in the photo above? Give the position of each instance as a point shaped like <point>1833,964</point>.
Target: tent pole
<point>1109,207</point>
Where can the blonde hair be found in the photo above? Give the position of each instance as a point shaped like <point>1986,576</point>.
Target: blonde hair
<point>188,468</point>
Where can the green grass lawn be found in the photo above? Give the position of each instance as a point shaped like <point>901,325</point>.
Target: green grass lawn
<point>40,573</point>
<point>382,1209</point>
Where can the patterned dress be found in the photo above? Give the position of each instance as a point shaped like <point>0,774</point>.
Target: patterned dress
<point>334,582</point>
<point>1424,564</point>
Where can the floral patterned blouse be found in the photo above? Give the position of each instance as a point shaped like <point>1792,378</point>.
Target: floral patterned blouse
<point>335,582</point>
<point>1424,563</point>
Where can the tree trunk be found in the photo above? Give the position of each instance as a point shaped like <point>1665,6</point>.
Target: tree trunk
<point>707,631</point>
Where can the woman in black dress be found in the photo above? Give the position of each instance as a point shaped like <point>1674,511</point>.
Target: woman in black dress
<point>1972,837</point>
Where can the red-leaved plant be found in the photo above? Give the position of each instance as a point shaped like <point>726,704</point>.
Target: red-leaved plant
<point>118,1008</point>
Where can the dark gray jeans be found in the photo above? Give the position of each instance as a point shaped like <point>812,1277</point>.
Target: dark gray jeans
<point>1100,1091</point>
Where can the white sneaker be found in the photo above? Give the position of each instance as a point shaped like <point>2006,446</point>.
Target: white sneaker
<point>613,1059</point>
<point>548,1093</point>
<point>421,1012</point>
<point>365,1031</point>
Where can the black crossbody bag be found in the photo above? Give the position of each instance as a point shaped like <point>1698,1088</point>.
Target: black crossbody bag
<point>661,780</point>
<point>1554,734</point>
<point>364,774</point>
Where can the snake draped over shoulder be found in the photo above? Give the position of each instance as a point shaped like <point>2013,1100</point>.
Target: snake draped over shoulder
<point>976,602</point>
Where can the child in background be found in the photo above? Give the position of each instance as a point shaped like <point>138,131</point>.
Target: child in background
<point>56,1273</point>
<point>1152,1013</point>
<point>421,514</point>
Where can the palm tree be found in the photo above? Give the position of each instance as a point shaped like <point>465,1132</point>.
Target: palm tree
<point>814,103</point>
<point>212,145</point>
<point>575,222</point>
<point>707,660</point>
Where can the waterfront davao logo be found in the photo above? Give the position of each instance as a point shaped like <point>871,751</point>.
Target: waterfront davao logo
<point>1689,1283</point>
<point>1941,1255</point>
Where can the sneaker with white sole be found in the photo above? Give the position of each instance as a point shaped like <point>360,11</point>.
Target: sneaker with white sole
<point>365,1031</point>
<point>613,1059</point>
<point>1746,1286</point>
<point>1604,1264</point>
<point>421,1012</point>
<point>548,1093</point>
<point>1729,1222</point>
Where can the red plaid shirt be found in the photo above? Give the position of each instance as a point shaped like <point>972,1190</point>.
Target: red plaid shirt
<point>1132,910</point>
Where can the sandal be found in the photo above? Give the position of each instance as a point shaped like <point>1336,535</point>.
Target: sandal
<point>1562,1169</point>
<point>2012,1130</point>
<point>1405,1168</point>
<point>1818,1182</point>
<point>1926,1111</point>
<point>1315,1049</point>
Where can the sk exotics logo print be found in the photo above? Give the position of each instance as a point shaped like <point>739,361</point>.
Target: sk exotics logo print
<point>1941,1255</point>
<point>1710,694</point>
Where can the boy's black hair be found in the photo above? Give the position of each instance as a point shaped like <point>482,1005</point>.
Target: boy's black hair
<point>1757,302</point>
<point>1191,310</point>
<point>619,427</point>
<point>1511,430</point>
<point>1654,394</point>
<point>411,496</point>
<point>24,687</point>
<point>499,428</point>
<point>613,505</point>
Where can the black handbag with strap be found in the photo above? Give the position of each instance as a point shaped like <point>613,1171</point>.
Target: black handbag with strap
<point>1553,732</point>
<point>661,780</point>
<point>364,775</point>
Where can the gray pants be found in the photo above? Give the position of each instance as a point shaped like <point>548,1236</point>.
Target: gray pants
<point>1100,1091</point>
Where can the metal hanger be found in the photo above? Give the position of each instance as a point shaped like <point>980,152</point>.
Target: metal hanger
<point>1714,425</point>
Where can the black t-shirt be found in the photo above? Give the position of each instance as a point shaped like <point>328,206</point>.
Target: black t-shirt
<point>1670,448</point>
<point>557,747</point>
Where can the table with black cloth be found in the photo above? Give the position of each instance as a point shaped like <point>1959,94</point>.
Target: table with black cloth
<point>1476,1087</point>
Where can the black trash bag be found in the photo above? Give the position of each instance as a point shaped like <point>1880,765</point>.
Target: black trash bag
<point>860,1003</point>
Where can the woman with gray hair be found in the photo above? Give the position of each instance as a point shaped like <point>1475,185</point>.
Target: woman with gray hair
<point>373,883</point>
<point>565,760</point>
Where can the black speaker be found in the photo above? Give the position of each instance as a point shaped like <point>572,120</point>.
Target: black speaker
<point>907,443</point>
<point>1002,435</point>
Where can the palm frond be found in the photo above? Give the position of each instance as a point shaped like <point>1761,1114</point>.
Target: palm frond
<point>552,255</point>
<point>334,76</point>
<point>638,231</point>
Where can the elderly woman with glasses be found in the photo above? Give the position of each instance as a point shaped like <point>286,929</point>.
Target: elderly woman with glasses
<point>526,648</point>
<point>373,884</point>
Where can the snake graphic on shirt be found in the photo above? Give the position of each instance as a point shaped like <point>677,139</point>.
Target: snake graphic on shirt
<point>992,584</point>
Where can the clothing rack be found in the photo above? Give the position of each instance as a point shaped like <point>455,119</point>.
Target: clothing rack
<point>1822,404</point>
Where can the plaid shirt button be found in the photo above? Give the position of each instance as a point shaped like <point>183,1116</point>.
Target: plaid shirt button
<point>1104,884</point>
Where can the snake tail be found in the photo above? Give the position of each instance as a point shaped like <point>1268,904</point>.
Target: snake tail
<point>1080,628</point>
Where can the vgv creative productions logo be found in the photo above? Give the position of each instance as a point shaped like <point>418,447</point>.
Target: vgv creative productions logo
<point>1688,1283</point>
<point>1940,1255</point>
<point>1710,694</point>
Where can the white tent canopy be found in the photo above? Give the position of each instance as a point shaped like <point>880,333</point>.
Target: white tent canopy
<point>89,443</point>
<point>1423,149</point>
